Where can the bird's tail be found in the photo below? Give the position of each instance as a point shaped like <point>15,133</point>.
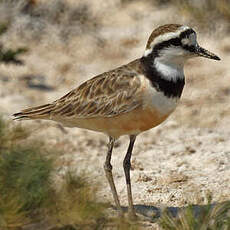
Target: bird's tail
<point>38,112</point>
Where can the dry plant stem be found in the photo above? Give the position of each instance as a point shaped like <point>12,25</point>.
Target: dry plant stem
<point>127,166</point>
<point>108,172</point>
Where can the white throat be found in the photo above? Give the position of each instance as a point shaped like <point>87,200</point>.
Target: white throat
<point>170,70</point>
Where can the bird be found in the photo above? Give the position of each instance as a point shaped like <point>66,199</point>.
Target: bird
<point>130,99</point>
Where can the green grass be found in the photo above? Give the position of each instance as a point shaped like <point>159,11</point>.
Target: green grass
<point>207,217</point>
<point>28,193</point>
<point>24,176</point>
<point>75,206</point>
<point>23,170</point>
<point>10,55</point>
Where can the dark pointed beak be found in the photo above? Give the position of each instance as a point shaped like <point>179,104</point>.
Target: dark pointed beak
<point>205,53</point>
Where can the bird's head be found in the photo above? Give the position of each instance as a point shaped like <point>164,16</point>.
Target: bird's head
<point>175,43</point>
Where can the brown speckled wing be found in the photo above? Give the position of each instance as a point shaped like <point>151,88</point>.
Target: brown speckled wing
<point>106,95</point>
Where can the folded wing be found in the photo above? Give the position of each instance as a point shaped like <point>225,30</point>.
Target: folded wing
<point>106,95</point>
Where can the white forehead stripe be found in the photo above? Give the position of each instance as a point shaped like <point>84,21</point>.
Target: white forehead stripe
<point>165,37</point>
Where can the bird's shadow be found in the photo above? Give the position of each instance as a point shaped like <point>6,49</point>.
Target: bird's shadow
<point>153,213</point>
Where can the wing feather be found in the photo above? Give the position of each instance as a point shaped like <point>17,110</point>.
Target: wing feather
<point>106,95</point>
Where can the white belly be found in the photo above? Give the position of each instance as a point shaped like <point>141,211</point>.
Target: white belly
<point>161,103</point>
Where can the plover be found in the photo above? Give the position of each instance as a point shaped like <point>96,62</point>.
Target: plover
<point>130,99</point>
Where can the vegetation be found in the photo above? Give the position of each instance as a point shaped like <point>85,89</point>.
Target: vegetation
<point>208,217</point>
<point>26,188</point>
<point>24,177</point>
<point>27,191</point>
<point>9,55</point>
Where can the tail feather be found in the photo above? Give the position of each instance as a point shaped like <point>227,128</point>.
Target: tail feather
<point>38,112</point>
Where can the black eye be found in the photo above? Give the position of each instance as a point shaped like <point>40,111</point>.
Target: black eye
<point>175,42</point>
<point>190,48</point>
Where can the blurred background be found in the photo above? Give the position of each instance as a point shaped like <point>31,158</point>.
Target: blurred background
<point>69,41</point>
<point>49,47</point>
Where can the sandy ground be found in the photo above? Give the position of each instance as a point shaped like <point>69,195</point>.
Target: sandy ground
<point>178,163</point>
